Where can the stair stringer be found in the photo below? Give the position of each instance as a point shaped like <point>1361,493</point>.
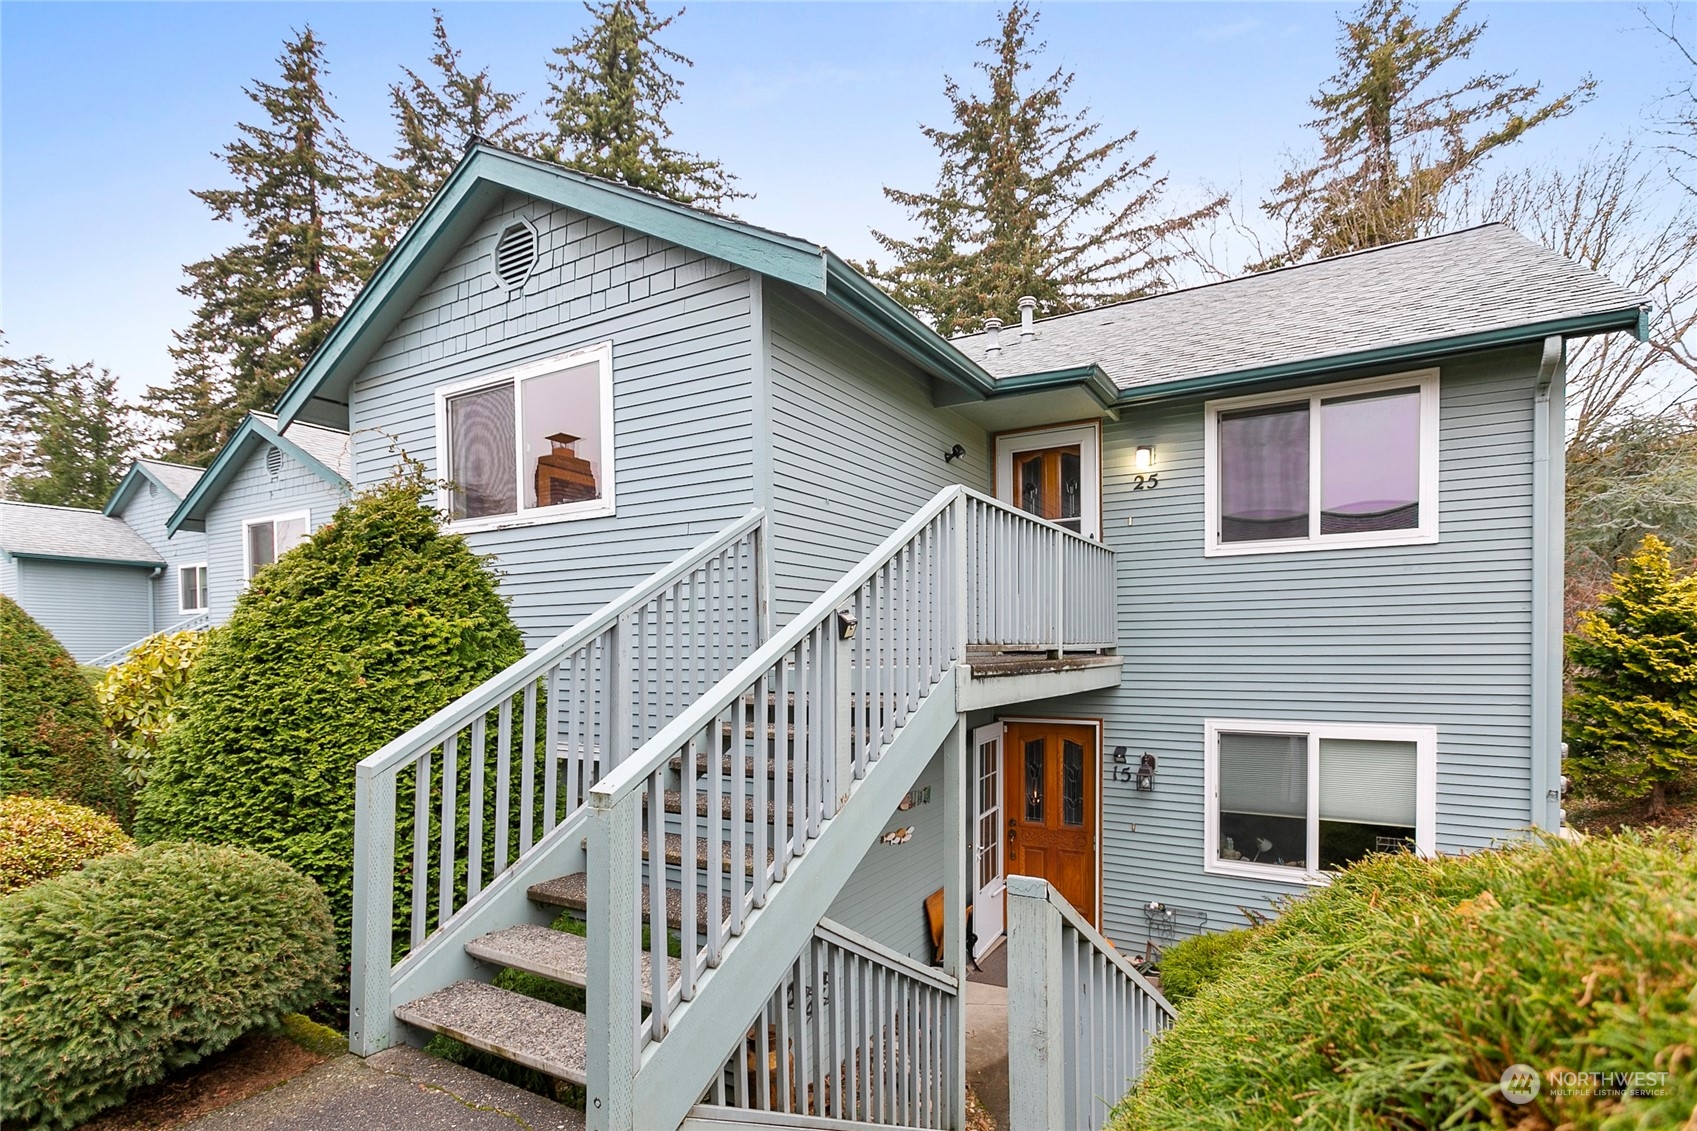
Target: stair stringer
<point>441,960</point>
<point>676,1072</point>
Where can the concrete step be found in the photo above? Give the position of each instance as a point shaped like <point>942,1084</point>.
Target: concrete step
<point>571,893</point>
<point>533,1033</point>
<point>559,955</point>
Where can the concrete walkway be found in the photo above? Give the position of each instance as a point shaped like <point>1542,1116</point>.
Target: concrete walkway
<point>987,1034</point>
<point>399,1088</point>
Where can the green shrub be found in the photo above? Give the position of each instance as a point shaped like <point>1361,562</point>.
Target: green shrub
<point>1199,961</point>
<point>140,698</point>
<point>1397,996</point>
<point>42,837</point>
<point>144,962</point>
<point>51,743</point>
<point>343,644</point>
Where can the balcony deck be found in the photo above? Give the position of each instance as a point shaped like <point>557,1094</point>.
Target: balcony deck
<point>1000,678</point>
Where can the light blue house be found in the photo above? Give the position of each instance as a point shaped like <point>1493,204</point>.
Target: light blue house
<point>143,501</point>
<point>1112,624</point>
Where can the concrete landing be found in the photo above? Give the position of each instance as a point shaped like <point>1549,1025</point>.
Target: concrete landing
<point>987,1047</point>
<point>399,1088</point>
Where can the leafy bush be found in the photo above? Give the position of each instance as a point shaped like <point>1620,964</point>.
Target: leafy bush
<point>1200,961</point>
<point>51,742</point>
<point>41,837</point>
<point>143,962</point>
<point>344,643</point>
<point>140,698</point>
<point>1397,996</point>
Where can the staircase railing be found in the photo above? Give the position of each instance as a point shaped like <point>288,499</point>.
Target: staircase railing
<point>855,1031</point>
<point>553,724</point>
<point>1037,585</point>
<point>119,655</point>
<point>780,743</point>
<point>1080,1017</point>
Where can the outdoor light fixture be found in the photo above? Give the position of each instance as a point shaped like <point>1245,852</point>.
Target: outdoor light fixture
<point>1145,456</point>
<point>954,453</point>
<point>845,625</point>
<point>1146,773</point>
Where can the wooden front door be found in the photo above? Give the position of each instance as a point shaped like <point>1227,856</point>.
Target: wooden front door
<point>1049,484</point>
<point>1051,780</point>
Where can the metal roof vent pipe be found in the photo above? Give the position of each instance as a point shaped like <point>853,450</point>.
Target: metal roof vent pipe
<point>993,327</point>
<point>1027,312</point>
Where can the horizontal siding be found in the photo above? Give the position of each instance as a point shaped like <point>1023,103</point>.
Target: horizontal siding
<point>885,898</point>
<point>90,608</point>
<point>857,448</point>
<point>253,494</point>
<point>1426,635</point>
<point>146,512</point>
<point>681,325</point>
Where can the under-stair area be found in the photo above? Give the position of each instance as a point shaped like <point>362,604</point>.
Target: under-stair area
<point>673,760</point>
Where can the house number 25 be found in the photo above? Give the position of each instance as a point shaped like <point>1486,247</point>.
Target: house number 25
<point>1146,482</point>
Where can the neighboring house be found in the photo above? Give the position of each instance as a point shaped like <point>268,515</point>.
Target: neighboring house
<point>1334,492</point>
<point>144,500</point>
<point>265,492</point>
<point>88,579</point>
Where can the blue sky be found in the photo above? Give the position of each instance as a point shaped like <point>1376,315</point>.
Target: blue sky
<point>110,113</point>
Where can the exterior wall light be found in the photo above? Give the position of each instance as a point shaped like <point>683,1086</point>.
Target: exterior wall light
<point>845,625</point>
<point>1145,457</point>
<point>1146,774</point>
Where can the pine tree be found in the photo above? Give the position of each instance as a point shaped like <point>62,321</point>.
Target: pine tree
<point>264,305</point>
<point>436,120</point>
<point>1031,199</point>
<point>608,103</point>
<point>66,435</point>
<point>1631,725</point>
<point>1396,143</point>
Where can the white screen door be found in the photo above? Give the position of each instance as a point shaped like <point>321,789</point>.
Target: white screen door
<point>989,870</point>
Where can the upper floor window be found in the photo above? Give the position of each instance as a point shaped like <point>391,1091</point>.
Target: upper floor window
<point>533,443</point>
<point>1293,801</point>
<point>191,589</point>
<point>267,539</point>
<point>1054,473</point>
<point>1354,464</point>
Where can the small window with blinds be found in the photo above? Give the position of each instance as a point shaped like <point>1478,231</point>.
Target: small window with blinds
<point>531,444</point>
<point>1295,801</point>
<point>1352,464</point>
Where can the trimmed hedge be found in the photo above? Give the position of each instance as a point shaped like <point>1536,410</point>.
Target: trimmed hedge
<point>144,962</point>
<point>51,741</point>
<point>1200,961</point>
<point>348,640</point>
<point>41,837</point>
<point>1398,995</point>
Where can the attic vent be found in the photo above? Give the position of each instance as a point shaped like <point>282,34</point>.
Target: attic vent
<point>515,254</point>
<point>274,461</point>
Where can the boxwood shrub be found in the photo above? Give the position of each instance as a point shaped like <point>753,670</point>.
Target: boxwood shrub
<point>1398,995</point>
<point>41,837</point>
<point>344,643</point>
<point>143,962</point>
<point>51,740</point>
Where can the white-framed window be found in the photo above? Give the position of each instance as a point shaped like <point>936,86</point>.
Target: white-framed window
<point>1054,473</point>
<point>264,540</point>
<point>1293,801</point>
<point>1349,464</point>
<point>191,589</point>
<point>529,444</point>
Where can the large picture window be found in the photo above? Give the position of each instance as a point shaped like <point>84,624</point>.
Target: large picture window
<point>532,444</point>
<point>1349,464</point>
<point>264,540</point>
<point>1293,801</point>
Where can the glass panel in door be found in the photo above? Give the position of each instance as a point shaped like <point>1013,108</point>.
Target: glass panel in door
<point>989,880</point>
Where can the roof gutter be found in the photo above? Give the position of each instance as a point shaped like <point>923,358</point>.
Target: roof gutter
<point>1093,378</point>
<point>83,559</point>
<point>1634,319</point>
<point>900,329</point>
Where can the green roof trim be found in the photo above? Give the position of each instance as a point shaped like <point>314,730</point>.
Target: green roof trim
<point>191,513</point>
<point>898,327</point>
<point>1092,377</point>
<point>130,484</point>
<point>1628,318</point>
<point>80,559</point>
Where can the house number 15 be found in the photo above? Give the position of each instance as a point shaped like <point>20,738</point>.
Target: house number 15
<point>1146,482</point>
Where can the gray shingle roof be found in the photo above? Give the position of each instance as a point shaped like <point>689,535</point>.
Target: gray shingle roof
<point>177,478</point>
<point>32,530</point>
<point>1467,282</point>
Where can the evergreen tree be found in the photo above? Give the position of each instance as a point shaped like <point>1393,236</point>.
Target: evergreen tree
<point>66,435</point>
<point>1396,142</point>
<point>1031,199</point>
<point>264,305</point>
<point>1631,724</point>
<point>608,102</point>
<point>436,120</point>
